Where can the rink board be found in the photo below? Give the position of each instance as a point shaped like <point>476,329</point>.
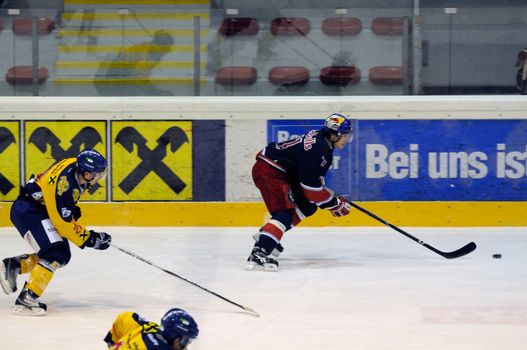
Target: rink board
<point>414,161</point>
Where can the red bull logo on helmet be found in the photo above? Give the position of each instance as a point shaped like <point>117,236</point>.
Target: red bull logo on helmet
<point>334,121</point>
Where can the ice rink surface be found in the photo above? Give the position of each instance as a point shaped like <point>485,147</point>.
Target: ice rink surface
<point>346,289</point>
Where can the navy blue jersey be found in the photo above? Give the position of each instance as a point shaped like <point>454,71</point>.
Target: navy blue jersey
<point>306,159</point>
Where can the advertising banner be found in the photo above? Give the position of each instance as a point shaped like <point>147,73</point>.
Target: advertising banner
<point>47,142</point>
<point>152,160</point>
<point>208,156</point>
<point>426,160</point>
<point>442,160</point>
<point>9,160</point>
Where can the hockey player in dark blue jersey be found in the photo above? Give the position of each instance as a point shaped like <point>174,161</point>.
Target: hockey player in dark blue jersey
<point>131,332</point>
<point>290,177</point>
<point>46,215</point>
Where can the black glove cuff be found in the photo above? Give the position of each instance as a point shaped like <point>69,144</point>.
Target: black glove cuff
<point>334,201</point>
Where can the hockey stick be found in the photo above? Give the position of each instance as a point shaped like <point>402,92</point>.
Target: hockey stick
<point>449,255</point>
<point>246,308</point>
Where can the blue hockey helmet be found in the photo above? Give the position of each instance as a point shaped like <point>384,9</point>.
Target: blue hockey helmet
<point>89,160</point>
<point>178,323</point>
<point>337,124</point>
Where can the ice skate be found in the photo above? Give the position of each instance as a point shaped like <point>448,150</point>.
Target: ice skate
<point>259,260</point>
<point>9,270</point>
<point>279,249</point>
<point>27,304</point>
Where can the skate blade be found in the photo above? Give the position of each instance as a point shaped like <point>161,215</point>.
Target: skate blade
<point>22,310</point>
<point>251,266</point>
<point>6,286</point>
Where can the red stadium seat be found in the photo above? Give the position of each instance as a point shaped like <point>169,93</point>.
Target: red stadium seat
<point>290,26</point>
<point>341,26</point>
<point>23,75</point>
<point>289,75</point>
<point>388,25</point>
<point>22,26</point>
<point>236,75</point>
<point>239,26</point>
<point>386,75</point>
<point>340,75</point>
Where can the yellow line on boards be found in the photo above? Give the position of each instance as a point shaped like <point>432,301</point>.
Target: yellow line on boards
<point>403,214</point>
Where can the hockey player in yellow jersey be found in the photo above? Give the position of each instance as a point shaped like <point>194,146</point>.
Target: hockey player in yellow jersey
<point>46,215</point>
<point>130,331</point>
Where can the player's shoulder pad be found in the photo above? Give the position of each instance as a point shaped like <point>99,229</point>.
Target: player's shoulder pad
<point>137,318</point>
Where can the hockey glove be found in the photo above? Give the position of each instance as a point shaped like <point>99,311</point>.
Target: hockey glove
<point>98,240</point>
<point>342,208</point>
<point>76,213</point>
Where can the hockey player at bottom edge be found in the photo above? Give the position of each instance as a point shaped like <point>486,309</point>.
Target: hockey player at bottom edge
<point>290,177</point>
<point>46,216</point>
<point>176,331</point>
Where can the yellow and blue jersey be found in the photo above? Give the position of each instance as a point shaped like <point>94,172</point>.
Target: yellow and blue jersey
<point>57,191</point>
<point>130,331</point>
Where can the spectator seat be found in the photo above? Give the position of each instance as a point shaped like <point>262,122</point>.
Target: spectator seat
<point>388,25</point>
<point>340,75</point>
<point>23,75</point>
<point>236,75</point>
<point>290,26</point>
<point>386,75</point>
<point>22,26</point>
<point>341,26</point>
<point>231,26</point>
<point>289,75</point>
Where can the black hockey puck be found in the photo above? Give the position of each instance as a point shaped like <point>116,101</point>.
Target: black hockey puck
<point>496,256</point>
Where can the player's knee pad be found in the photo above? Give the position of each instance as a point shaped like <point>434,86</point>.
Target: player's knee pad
<point>58,255</point>
<point>52,265</point>
<point>27,262</point>
<point>285,217</point>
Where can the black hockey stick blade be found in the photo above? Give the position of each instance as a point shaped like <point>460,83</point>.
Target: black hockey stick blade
<point>470,247</point>
<point>246,308</point>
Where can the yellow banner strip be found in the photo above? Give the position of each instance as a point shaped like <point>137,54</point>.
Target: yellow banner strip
<point>129,49</point>
<point>419,214</point>
<point>133,16</point>
<point>125,65</point>
<point>128,32</point>
<point>125,81</point>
